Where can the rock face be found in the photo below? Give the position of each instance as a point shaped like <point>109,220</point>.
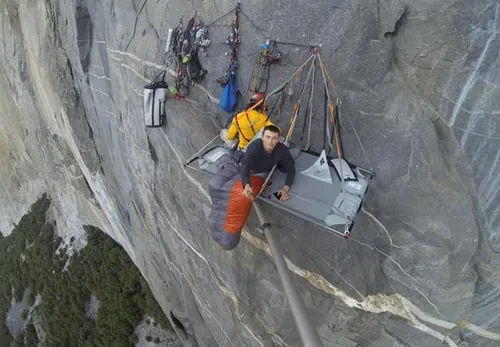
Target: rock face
<point>419,81</point>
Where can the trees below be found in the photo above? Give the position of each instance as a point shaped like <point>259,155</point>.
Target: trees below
<point>102,269</point>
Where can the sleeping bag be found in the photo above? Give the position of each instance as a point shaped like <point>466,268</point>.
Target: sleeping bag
<point>230,208</point>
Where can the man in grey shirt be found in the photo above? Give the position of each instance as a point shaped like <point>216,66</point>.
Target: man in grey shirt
<point>261,156</point>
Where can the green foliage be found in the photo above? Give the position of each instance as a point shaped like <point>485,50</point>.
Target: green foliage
<point>102,269</point>
<point>31,298</point>
<point>31,335</point>
<point>5,338</point>
<point>19,341</point>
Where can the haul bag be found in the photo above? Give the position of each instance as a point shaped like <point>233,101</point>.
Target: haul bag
<point>155,96</point>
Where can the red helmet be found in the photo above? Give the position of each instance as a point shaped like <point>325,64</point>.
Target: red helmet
<point>256,97</point>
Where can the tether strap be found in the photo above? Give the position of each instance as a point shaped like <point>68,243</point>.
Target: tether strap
<point>163,77</point>
<point>251,125</point>
<point>239,127</point>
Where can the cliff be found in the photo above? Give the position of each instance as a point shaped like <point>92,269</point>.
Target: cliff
<point>418,79</point>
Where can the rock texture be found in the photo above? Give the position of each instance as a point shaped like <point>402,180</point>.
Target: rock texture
<point>419,81</point>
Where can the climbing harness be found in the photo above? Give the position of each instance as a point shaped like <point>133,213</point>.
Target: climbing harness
<point>250,123</point>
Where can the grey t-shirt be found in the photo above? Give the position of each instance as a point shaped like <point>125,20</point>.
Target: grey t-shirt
<point>257,160</point>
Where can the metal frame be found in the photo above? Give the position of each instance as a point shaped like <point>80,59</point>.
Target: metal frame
<point>303,216</point>
<point>197,154</point>
<point>348,225</point>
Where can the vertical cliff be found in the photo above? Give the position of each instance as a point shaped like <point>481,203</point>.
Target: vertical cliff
<point>419,80</point>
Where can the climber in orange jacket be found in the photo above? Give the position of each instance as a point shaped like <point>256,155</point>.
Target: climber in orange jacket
<point>247,123</point>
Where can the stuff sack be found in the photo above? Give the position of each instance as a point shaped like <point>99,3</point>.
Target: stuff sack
<point>155,96</point>
<point>229,95</point>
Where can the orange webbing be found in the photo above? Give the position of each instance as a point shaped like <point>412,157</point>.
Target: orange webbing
<point>296,108</point>
<point>336,131</point>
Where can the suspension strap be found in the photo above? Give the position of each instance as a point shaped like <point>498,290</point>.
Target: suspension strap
<point>299,70</point>
<point>308,143</point>
<point>297,105</point>
<point>279,89</point>
<point>325,73</point>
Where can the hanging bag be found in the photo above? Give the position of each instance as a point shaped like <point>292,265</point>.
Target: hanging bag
<point>229,95</point>
<point>155,96</point>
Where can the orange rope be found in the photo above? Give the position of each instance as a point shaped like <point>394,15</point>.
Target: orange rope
<point>292,120</point>
<point>330,108</point>
<point>332,85</point>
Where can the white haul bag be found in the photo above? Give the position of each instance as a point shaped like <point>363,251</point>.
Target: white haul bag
<point>155,96</point>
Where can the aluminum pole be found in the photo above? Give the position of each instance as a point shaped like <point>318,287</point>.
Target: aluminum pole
<point>308,333</point>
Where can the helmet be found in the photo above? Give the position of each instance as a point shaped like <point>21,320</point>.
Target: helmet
<point>256,97</point>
